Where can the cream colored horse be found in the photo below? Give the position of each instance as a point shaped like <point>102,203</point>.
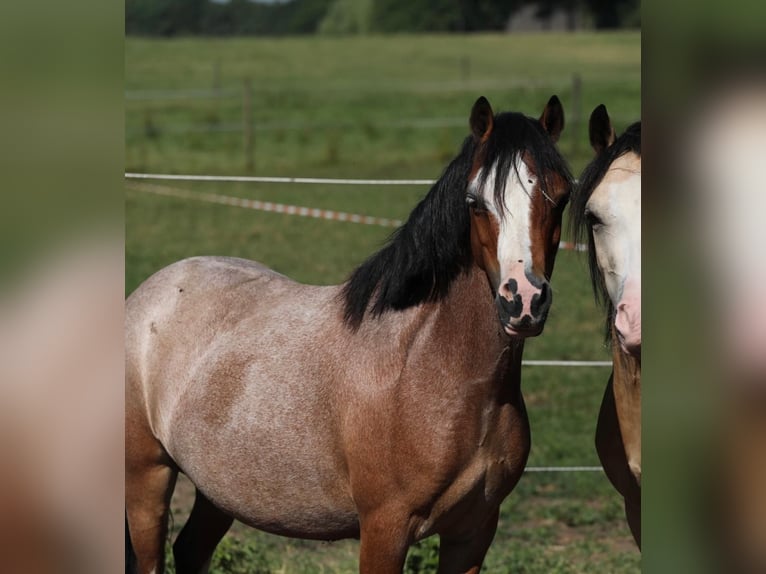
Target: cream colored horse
<point>388,408</point>
<point>607,207</point>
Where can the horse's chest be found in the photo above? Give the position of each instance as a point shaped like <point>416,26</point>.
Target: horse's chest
<point>501,463</point>
<point>504,446</point>
<point>486,478</point>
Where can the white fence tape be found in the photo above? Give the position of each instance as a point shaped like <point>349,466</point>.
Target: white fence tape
<point>258,205</point>
<point>564,469</point>
<point>270,206</point>
<point>534,363</point>
<point>266,179</point>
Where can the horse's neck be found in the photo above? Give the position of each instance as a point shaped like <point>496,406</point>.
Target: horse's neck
<point>627,394</point>
<point>470,313</point>
<point>627,368</point>
<point>461,334</point>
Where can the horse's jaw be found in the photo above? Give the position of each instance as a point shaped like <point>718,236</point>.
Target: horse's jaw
<point>523,333</point>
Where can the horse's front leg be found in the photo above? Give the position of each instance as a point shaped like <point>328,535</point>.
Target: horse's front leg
<point>384,541</point>
<point>465,554</point>
<point>611,453</point>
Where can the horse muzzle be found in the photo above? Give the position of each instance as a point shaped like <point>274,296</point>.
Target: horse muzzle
<point>627,323</point>
<point>523,305</point>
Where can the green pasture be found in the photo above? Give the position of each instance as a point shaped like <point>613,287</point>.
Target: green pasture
<point>393,107</point>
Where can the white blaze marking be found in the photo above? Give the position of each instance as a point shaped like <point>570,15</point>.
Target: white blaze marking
<point>513,242</point>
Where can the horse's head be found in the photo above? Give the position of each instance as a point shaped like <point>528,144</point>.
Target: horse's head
<point>609,204</point>
<point>518,188</point>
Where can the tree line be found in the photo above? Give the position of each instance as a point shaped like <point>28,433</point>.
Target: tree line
<point>289,17</point>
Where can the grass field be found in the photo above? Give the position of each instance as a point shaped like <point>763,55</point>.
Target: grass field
<point>393,107</point>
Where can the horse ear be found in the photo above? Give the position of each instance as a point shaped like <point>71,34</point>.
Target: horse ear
<point>600,129</point>
<point>553,118</point>
<point>482,119</point>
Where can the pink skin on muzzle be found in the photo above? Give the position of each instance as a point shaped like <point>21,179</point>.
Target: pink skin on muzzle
<point>520,292</point>
<point>628,318</point>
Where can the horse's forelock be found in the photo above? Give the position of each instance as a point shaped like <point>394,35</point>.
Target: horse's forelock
<point>514,137</point>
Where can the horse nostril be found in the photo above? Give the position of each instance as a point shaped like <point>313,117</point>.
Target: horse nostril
<point>541,301</point>
<point>509,306</point>
<point>509,289</point>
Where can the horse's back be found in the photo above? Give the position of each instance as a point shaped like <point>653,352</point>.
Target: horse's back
<point>195,277</point>
<point>222,358</point>
<point>177,308</point>
<point>177,313</point>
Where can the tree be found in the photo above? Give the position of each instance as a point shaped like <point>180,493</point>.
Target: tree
<point>163,17</point>
<point>439,15</point>
<point>347,17</point>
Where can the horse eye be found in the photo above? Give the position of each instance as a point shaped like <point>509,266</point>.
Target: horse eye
<point>593,219</point>
<point>475,203</point>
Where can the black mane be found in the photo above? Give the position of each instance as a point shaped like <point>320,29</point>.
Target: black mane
<point>433,247</point>
<point>629,141</point>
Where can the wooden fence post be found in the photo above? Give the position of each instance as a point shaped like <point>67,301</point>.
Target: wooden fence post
<point>247,120</point>
<point>217,78</point>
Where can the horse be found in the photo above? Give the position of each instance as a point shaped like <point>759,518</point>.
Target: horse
<point>387,408</point>
<point>606,208</point>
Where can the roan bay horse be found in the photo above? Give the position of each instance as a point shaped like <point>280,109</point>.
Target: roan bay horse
<point>607,208</point>
<point>388,408</point>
